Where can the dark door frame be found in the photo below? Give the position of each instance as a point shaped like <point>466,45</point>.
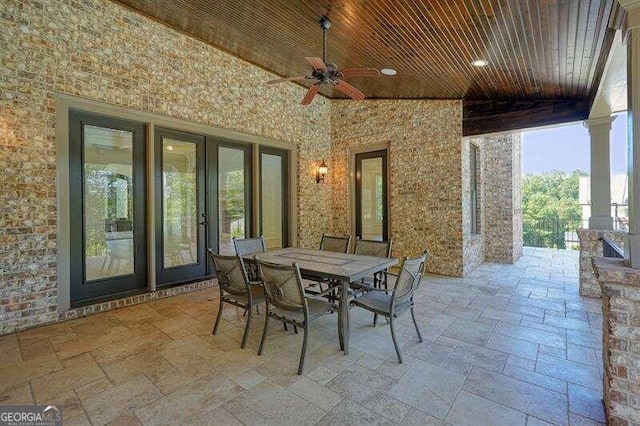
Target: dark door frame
<point>284,154</point>
<point>383,153</point>
<point>81,291</point>
<point>180,274</point>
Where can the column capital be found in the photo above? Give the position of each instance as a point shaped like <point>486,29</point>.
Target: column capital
<point>632,7</point>
<point>602,123</point>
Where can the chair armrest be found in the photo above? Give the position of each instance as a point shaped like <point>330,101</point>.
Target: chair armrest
<point>255,283</point>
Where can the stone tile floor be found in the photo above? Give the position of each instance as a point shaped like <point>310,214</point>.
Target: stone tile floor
<point>507,345</point>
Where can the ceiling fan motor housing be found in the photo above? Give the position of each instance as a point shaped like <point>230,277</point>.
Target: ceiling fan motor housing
<point>325,23</point>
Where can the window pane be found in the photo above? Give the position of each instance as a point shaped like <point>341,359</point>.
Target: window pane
<point>231,196</point>
<point>272,197</point>
<point>179,203</point>
<point>108,202</point>
<point>371,199</point>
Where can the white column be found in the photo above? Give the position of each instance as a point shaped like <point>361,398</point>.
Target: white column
<point>632,244</point>
<point>599,131</point>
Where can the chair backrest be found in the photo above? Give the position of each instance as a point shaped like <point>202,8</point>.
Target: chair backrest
<point>373,248</point>
<point>283,286</point>
<point>231,272</point>
<point>411,271</point>
<point>335,244</point>
<point>249,245</point>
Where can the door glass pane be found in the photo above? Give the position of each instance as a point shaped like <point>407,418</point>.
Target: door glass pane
<point>271,198</point>
<point>179,203</point>
<point>231,197</point>
<point>108,202</point>
<point>372,204</point>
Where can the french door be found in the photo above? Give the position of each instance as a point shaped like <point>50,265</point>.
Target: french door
<point>274,213</point>
<point>107,159</point>
<point>202,197</point>
<point>372,211</point>
<point>181,218</point>
<point>229,168</point>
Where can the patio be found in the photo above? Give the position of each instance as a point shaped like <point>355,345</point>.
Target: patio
<point>507,344</point>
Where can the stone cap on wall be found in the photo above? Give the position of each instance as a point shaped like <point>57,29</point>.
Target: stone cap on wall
<point>615,271</point>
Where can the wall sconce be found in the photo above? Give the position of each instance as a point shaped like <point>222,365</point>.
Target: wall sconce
<point>321,173</point>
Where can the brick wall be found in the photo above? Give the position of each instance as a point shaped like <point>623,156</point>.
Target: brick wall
<point>98,50</point>
<point>473,244</point>
<point>425,142</point>
<point>621,340</point>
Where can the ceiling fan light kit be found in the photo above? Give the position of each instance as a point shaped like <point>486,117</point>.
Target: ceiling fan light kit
<point>327,73</point>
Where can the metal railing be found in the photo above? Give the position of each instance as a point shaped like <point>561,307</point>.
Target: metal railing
<point>551,232</point>
<point>610,248</point>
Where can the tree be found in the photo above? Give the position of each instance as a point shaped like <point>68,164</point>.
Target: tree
<point>550,207</point>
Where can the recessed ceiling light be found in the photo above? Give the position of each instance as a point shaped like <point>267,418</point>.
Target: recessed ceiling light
<point>388,71</point>
<point>479,63</point>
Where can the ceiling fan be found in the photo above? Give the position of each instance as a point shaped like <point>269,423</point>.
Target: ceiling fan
<point>328,73</point>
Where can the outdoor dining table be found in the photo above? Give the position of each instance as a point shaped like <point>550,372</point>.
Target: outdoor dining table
<point>340,267</point>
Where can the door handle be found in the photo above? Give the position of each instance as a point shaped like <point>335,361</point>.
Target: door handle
<point>204,221</point>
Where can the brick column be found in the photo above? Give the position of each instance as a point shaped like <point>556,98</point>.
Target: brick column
<point>621,340</point>
<point>502,198</point>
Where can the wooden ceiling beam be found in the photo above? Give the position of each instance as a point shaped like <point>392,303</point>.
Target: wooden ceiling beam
<point>483,117</point>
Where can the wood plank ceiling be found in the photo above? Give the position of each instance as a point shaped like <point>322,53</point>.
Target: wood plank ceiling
<point>544,55</point>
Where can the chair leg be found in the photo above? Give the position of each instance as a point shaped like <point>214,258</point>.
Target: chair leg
<point>413,315</point>
<point>285,326</point>
<point>215,326</point>
<point>295,329</point>
<point>375,319</point>
<point>246,328</point>
<point>303,355</point>
<point>264,332</point>
<point>395,342</point>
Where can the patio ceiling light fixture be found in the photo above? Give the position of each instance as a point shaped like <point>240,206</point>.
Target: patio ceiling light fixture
<point>321,173</point>
<point>479,62</point>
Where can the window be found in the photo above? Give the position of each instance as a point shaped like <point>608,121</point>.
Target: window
<point>473,179</point>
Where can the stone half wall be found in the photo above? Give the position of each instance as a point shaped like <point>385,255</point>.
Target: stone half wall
<point>98,50</point>
<point>590,247</point>
<point>621,340</point>
<point>425,141</point>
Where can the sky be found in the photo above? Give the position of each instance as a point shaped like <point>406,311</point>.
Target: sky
<point>566,148</point>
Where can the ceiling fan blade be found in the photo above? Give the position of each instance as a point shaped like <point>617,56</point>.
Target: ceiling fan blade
<point>317,64</point>
<point>348,89</point>
<point>311,93</point>
<point>280,80</point>
<point>359,72</point>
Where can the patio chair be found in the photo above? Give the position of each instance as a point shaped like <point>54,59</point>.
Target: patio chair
<point>236,288</point>
<point>334,244</point>
<point>247,246</point>
<point>377,249</point>
<point>286,301</point>
<point>393,303</point>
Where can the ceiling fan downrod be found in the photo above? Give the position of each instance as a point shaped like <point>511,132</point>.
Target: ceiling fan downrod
<point>325,23</point>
